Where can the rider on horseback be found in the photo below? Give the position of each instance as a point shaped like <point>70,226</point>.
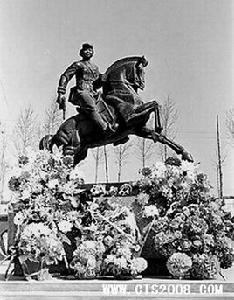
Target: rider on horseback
<point>84,94</point>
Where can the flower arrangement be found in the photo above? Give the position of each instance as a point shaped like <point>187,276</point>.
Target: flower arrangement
<point>110,244</point>
<point>179,264</point>
<point>52,213</point>
<point>189,227</point>
<point>87,259</point>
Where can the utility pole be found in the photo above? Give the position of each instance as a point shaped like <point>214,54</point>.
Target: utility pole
<point>220,173</point>
<point>106,163</point>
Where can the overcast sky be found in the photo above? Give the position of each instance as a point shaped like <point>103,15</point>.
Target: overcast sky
<point>188,44</point>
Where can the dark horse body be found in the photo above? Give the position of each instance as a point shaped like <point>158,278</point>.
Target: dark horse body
<point>119,103</point>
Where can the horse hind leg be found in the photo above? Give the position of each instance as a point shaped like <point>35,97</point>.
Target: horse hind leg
<point>156,137</point>
<point>46,143</point>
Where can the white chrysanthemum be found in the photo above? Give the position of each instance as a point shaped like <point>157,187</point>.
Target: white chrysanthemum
<point>14,198</point>
<point>16,171</point>
<point>94,206</point>
<point>126,252</point>
<point>42,174</point>
<point>151,211</point>
<point>42,229</point>
<point>65,226</point>
<point>142,198</point>
<point>53,183</point>
<point>31,154</point>
<point>174,171</point>
<point>89,244</point>
<point>159,170</point>
<point>19,218</point>
<point>139,264</point>
<point>190,170</point>
<point>57,154</point>
<point>36,229</point>
<point>187,166</point>
<point>76,173</point>
<point>91,262</point>
<point>98,189</point>
<point>110,259</point>
<point>166,191</point>
<point>121,262</point>
<point>26,194</point>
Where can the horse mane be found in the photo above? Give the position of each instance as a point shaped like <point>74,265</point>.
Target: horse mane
<point>118,63</point>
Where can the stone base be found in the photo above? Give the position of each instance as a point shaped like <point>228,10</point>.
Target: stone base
<point>132,289</point>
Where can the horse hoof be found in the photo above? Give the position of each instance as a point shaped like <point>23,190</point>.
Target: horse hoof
<point>187,156</point>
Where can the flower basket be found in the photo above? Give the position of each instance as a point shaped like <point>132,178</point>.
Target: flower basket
<point>34,269</point>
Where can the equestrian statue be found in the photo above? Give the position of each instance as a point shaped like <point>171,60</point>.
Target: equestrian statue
<point>108,117</point>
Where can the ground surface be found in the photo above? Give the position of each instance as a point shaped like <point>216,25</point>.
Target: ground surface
<point>154,288</point>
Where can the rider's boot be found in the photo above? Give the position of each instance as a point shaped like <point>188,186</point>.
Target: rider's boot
<point>106,128</point>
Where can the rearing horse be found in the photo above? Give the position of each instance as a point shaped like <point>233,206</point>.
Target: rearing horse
<point>120,103</point>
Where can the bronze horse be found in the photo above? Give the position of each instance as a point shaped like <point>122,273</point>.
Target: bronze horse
<point>119,103</point>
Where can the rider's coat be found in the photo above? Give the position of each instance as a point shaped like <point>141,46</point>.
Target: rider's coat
<point>86,73</point>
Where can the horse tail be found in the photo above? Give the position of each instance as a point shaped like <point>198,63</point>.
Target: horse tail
<point>46,143</point>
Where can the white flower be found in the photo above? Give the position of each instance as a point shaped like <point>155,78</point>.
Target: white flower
<point>76,173</point>
<point>36,229</point>
<point>187,166</point>
<point>42,174</point>
<point>31,154</point>
<point>16,171</point>
<point>91,262</point>
<point>174,171</point>
<point>142,198</point>
<point>110,259</point>
<point>19,218</point>
<point>151,211</point>
<point>98,189</point>
<point>94,206</point>
<point>121,262</point>
<point>139,264</point>
<point>57,154</point>
<point>75,202</point>
<point>159,170</point>
<point>53,183</point>
<point>14,198</point>
<point>89,244</point>
<point>65,226</point>
<point>26,194</point>
<point>190,169</point>
<point>42,229</point>
<point>166,191</point>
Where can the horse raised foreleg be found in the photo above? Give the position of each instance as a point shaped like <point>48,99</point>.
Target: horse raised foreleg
<point>140,112</point>
<point>146,106</point>
<point>156,137</point>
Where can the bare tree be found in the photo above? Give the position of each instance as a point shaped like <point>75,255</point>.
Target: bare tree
<point>25,131</point>
<point>3,161</point>
<point>144,150</point>
<point>53,118</point>
<point>121,153</point>
<point>219,164</point>
<point>169,116</point>
<point>98,157</point>
<point>229,121</point>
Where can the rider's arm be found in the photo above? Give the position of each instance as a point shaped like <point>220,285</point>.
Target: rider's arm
<point>66,77</point>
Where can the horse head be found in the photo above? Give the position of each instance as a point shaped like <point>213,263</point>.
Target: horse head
<point>127,71</point>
